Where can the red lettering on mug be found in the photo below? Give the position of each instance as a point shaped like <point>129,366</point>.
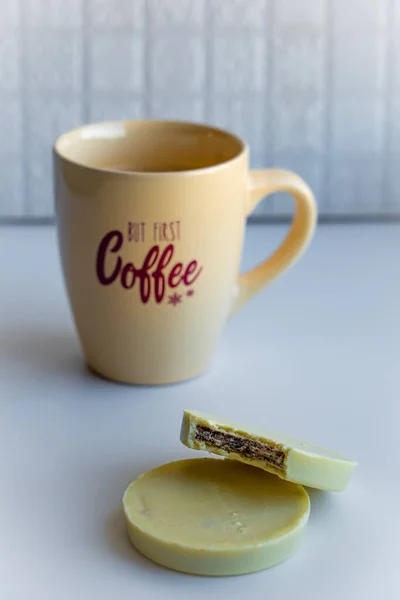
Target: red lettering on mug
<point>106,246</point>
<point>174,278</point>
<point>191,273</point>
<point>157,273</point>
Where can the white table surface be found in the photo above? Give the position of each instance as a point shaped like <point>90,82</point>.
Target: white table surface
<point>316,355</point>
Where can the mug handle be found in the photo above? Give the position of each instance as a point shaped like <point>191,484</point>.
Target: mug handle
<point>262,183</point>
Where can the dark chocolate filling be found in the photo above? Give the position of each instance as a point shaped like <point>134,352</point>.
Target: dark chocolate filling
<point>241,446</point>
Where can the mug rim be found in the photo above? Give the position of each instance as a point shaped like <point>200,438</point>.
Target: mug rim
<point>120,127</point>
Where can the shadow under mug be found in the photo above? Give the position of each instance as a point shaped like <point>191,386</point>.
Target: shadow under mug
<point>151,219</point>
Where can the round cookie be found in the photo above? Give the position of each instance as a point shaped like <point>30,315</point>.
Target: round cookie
<point>215,517</point>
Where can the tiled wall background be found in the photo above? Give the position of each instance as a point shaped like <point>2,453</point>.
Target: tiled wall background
<point>312,85</point>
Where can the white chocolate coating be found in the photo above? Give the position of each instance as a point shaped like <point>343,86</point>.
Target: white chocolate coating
<point>304,463</point>
<point>215,517</point>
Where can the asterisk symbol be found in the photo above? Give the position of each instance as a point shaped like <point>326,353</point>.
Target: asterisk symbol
<point>175,299</point>
<point>190,293</point>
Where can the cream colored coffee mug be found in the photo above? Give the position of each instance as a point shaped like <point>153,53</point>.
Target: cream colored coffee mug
<point>151,218</point>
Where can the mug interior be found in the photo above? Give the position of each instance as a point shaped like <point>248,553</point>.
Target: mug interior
<point>148,146</point>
